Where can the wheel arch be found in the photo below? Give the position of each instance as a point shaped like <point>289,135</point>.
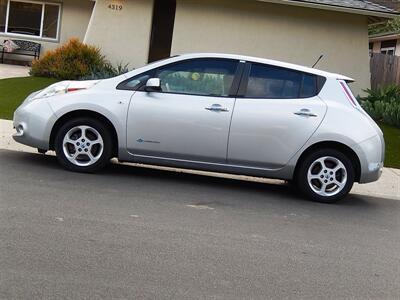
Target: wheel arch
<point>332,145</point>
<point>84,113</point>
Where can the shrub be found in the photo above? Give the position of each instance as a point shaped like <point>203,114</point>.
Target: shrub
<point>391,114</point>
<point>383,104</point>
<point>386,94</point>
<point>71,61</point>
<point>107,71</point>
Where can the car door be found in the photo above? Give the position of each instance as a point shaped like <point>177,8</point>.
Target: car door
<point>189,118</point>
<point>276,112</point>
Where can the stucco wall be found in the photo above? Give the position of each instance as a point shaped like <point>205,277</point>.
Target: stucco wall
<point>123,35</point>
<point>288,33</point>
<point>75,16</point>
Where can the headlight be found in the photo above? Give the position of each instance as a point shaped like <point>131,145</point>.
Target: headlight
<point>62,87</point>
<point>52,90</point>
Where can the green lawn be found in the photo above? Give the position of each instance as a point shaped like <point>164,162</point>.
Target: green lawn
<point>392,140</point>
<point>14,90</point>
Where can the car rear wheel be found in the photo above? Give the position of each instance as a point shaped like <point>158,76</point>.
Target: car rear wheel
<point>326,175</point>
<point>83,145</point>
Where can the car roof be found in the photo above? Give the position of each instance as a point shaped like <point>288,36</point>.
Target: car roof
<point>263,61</point>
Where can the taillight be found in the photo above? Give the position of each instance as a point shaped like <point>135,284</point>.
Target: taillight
<point>348,93</point>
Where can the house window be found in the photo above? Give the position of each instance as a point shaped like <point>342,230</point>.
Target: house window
<point>3,14</point>
<point>30,18</point>
<point>370,47</point>
<point>388,47</point>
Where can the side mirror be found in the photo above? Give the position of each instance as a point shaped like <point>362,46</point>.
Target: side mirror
<point>153,85</point>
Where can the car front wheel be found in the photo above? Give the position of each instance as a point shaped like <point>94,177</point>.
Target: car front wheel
<point>326,175</point>
<point>83,145</point>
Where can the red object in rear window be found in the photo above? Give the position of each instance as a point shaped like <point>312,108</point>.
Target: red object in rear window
<point>348,93</point>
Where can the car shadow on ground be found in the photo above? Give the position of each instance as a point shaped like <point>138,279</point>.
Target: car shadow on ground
<point>252,190</point>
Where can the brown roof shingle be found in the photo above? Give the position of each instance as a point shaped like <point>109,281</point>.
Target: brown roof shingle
<point>384,6</point>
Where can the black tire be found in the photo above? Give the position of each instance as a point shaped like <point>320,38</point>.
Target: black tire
<point>105,134</point>
<point>305,164</point>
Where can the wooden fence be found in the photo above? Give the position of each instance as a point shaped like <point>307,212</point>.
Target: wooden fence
<point>385,70</point>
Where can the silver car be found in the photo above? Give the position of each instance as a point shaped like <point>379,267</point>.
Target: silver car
<point>215,112</point>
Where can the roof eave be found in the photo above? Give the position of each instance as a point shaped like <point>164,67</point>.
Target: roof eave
<point>384,36</point>
<point>358,11</point>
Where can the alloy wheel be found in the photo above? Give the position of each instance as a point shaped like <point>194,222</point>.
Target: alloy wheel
<point>83,145</point>
<point>327,176</point>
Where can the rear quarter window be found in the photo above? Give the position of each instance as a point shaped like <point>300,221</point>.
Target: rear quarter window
<point>309,86</point>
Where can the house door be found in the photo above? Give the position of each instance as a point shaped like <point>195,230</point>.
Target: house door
<point>162,29</point>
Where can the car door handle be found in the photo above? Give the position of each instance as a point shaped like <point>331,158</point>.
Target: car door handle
<point>217,108</point>
<point>305,113</point>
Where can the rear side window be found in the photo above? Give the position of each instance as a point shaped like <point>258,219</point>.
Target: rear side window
<point>272,82</point>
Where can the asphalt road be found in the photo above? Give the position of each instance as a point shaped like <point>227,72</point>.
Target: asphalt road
<point>135,233</point>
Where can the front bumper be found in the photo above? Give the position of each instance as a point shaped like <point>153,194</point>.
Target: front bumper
<point>33,122</point>
<point>371,153</point>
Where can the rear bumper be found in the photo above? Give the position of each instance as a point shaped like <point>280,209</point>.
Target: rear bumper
<point>371,153</point>
<point>33,121</point>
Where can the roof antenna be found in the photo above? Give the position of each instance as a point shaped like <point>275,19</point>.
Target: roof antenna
<point>319,58</point>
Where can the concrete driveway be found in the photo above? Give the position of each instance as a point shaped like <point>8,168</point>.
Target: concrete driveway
<point>136,233</point>
<point>9,71</point>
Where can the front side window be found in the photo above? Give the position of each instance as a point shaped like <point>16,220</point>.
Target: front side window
<point>272,82</point>
<point>206,77</point>
<point>29,18</point>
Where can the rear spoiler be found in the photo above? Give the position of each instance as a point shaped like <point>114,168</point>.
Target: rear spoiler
<point>344,78</point>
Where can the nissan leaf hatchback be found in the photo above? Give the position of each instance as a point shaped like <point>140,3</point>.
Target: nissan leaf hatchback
<point>215,112</point>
